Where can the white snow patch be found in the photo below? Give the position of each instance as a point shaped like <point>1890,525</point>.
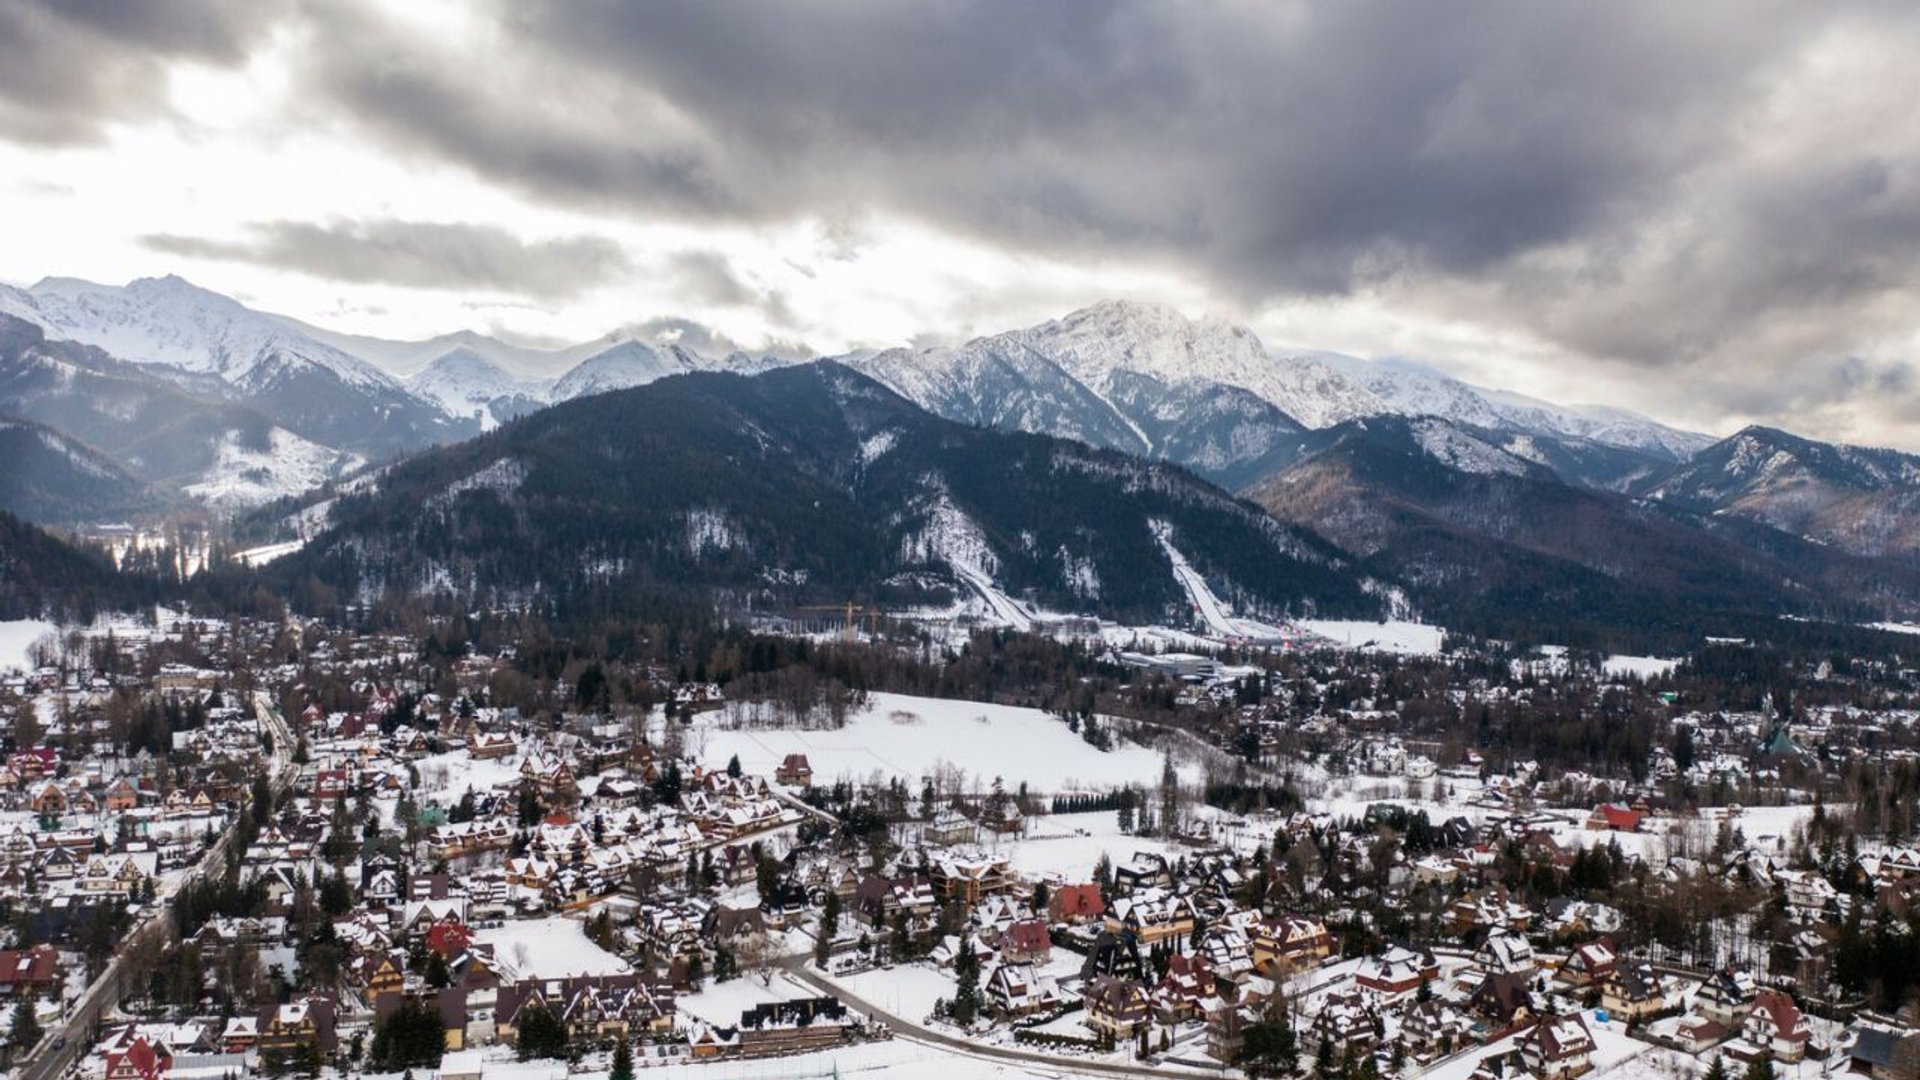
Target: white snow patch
<point>1643,667</point>
<point>709,530</point>
<point>549,949</point>
<point>1408,638</point>
<point>900,735</point>
<point>876,446</point>
<point>17,637</point>
<point>245,476</point>
<point>1448,444</point>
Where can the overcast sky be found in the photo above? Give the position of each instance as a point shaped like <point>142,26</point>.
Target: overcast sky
<point>1708,212</point>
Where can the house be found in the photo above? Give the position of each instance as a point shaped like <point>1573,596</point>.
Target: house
<point>797,1026</point>
<point>1289,944</point>
<point>1633,992</point>
<point>1505,953</point>
<point>1076,904</point>
<point>948,828</point>
<point>1020,990</point>
<point>1589,965</point>
<point>1117,1007</point>
<point>139,1061</point>
<point>1152,916</point>
<point>1557,1047</point>
<point>490,746</point>
<point>1726,997</point>
<point>1612,817</point>
<point>1347,1018</point>
<point>1777,1026</point>
<point>1398,970</point>
<point>1885,1055</point>
<point>304,1022</point>
<point>1026,942</point>
<point>31,972</point>
<point>1432,1029</point>
<point>1696,1036</point>
<point>794,769</point>
<point>1182,993</point>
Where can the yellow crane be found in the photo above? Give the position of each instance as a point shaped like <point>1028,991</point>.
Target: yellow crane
<point>850,609</point>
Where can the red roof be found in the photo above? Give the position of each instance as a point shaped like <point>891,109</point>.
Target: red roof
<point>1619,817</point>
<point>1029,936</point>
<point>141,1057</point>
<point>449,938</point>
<point>1080,900</point>
<point>28,967</point>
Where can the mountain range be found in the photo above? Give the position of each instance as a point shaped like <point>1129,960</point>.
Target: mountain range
<point>811,481</point>
<point>123,402</point>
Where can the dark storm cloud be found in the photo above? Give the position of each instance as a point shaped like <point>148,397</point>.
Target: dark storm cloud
<point>418,254</point>
<point>1279,148</point>
<point>1712,191</point>
<point>68,66</point>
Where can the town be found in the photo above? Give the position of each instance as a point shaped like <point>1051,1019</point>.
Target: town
<point>281,847</point>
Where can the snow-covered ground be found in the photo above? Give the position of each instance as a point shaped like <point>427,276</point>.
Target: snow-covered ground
<point>1070,844</point>
<point>550,949</point>
<point>445,777</point>
<point>899,735</point>
<point>1641,667</point>
<point>898,1059</point>
<point>266,553</point>
<point>17,637</point>
<point>1406,638</point>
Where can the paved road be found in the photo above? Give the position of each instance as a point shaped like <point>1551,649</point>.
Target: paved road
<point>63,1045</point>
<point>796,968</point>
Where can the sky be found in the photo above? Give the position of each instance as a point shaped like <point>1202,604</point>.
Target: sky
<point>1707,211</point>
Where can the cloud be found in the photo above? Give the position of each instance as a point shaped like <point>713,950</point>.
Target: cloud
<point>67,67</point>
<point>417,254</point>
<point>1714,204</point>
<point>708,278</point>
<point>708,342</point>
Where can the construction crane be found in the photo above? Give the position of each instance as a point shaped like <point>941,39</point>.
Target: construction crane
<point>850,609</point>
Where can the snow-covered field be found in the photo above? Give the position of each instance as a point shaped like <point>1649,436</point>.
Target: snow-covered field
<point>1406,638</point>
<point>445,777</point>
<point>1640,667</point>
<point>1070,844</point>
<point>17,637</point>
<point>550,949</point>
<point>898,735</point>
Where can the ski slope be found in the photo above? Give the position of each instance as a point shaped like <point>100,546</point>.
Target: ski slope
<point>1212,612</point>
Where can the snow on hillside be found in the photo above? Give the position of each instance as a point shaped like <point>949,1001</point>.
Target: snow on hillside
<point>1459,450</point>
<point>900,735</point>
<point>1094,343</point>
<point>466,383</point>
<point>1211,610</point>
<point>628,364</point>
<point>249,476</point>
<point>950,536</point>
<point>171,321</point>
